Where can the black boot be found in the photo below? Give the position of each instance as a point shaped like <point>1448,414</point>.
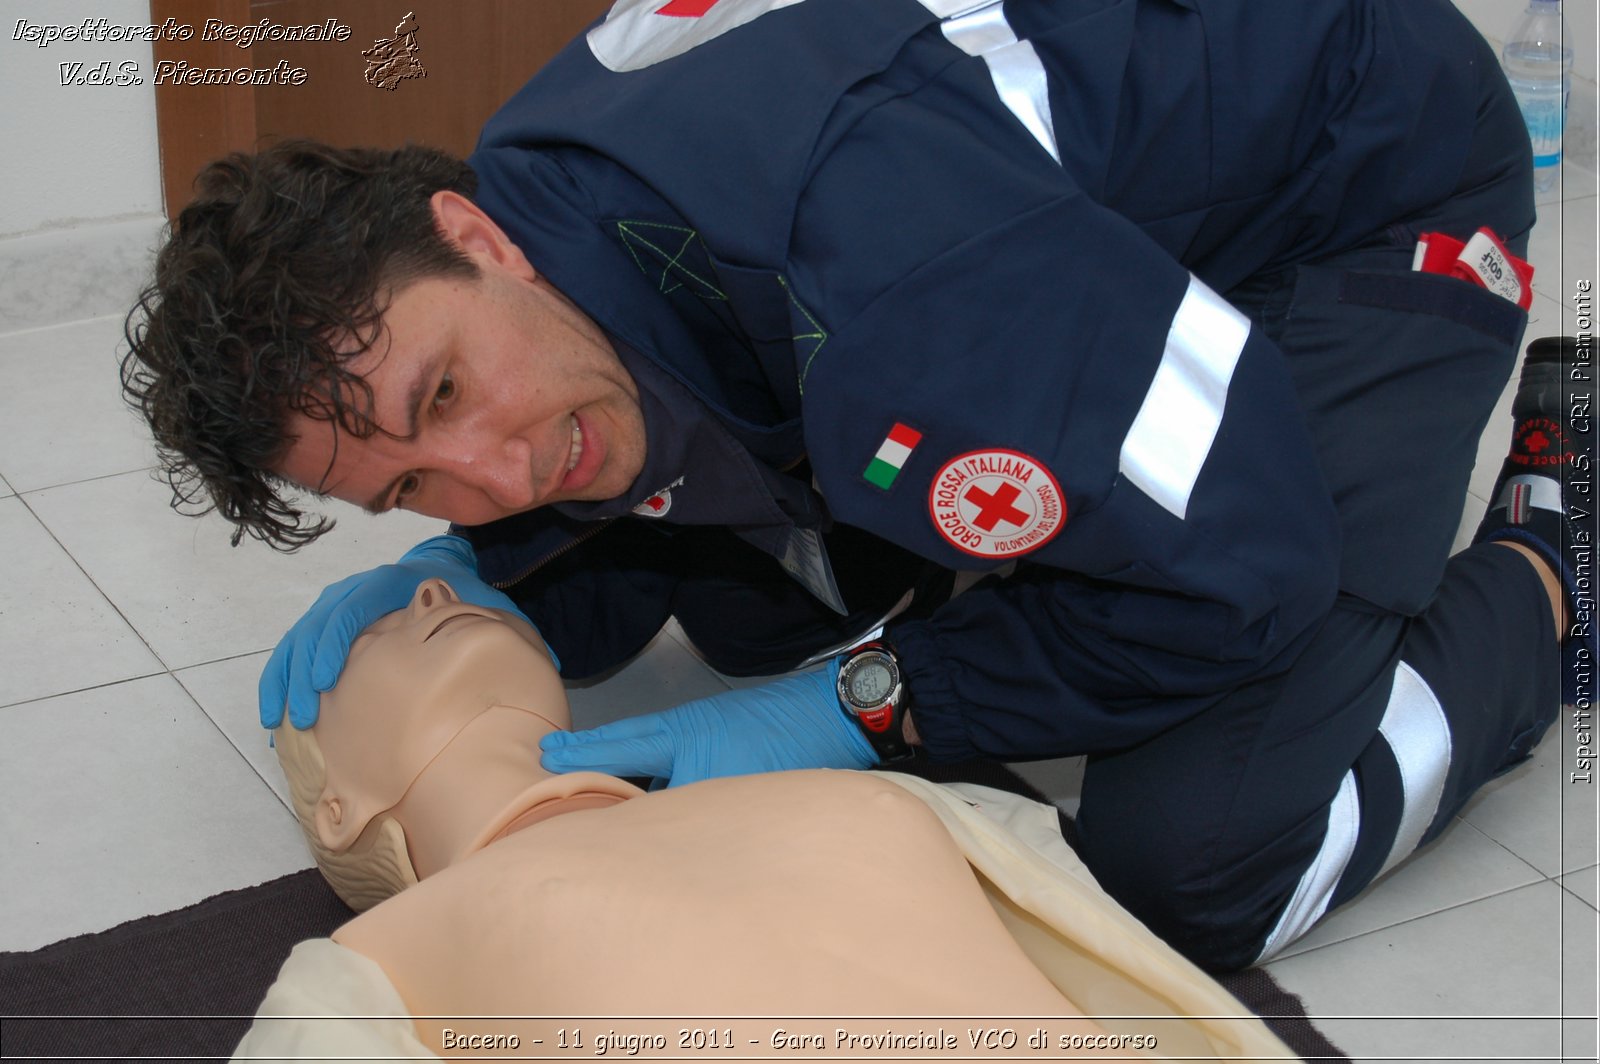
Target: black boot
<point>1545,496</point>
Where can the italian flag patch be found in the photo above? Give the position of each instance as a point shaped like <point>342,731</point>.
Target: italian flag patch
<point>891,457</point>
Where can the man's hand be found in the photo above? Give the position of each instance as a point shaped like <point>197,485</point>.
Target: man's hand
<point>310,657</point>
<point>794,722</point>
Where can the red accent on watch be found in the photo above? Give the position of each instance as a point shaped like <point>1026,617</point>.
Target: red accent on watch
<point>876,720</point>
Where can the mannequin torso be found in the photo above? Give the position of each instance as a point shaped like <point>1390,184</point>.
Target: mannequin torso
<point>757,922</point>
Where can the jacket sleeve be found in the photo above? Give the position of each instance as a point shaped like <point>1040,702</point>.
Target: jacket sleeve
<point>1078,405</point>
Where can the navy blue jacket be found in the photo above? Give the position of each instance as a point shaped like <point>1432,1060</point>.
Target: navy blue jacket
<point>1003,230</point>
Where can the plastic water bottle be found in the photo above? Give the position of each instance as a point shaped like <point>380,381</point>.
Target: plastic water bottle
<point>1538,63</point>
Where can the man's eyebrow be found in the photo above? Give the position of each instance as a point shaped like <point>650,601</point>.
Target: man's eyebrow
<point>415,395</point>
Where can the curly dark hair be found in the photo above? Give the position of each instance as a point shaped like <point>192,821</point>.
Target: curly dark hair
<point>275,276</point>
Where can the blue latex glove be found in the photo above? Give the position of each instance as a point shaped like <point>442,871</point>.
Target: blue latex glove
<point>794,722</point>
<point>310,657</point>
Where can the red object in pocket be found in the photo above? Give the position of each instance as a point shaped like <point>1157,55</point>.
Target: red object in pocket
<point>1482,260</point>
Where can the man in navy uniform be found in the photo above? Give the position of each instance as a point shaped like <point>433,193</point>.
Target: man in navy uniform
<point>793,318</point>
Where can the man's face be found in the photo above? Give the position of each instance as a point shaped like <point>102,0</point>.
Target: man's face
<point>504,397</point>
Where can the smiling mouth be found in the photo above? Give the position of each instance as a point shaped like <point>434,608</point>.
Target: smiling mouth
<point>577,445</point>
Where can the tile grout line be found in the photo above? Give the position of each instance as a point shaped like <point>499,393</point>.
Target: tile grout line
<point>81,690</point>
<point>4,336</point>
<point>235,746</point>
<point>92,583</point>
<point>1459,819</point>
<point>86,480</point>
<point>1560,208</point>
<point>129,679</point>
<point>1410,920</point>
<point>1568,304</point>
<point>1538,872</point>
<point>1574,893</point>
<point>209,719</point>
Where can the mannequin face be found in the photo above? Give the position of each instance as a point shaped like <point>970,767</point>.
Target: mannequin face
<point>414,679</point>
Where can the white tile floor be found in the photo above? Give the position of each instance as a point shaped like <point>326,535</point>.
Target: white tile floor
<point>133,777</point>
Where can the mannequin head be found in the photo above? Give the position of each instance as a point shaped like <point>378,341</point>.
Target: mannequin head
<point>416,681</point>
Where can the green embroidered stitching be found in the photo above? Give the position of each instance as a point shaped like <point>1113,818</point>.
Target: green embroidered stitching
<point>820,336</point>
<point>630,230</point>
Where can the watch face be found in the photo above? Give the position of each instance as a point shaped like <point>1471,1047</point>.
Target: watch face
<point>870,682</point>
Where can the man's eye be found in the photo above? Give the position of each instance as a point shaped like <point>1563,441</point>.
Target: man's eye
<point>408,487</point>
<point>445,392</point>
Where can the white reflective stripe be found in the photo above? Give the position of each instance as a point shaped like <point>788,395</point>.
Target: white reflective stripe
<point>1014,66</point>
<point>1418,733</point>
<point>1172,434</point>
<point>980,30</point>
<point>1317,883</point>
<point>1020,80</point>
<point>874,632</point>
<point>956,8</point>
<point>1544,493</point>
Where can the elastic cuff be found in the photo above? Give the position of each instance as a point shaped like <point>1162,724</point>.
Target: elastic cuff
<point>935,707</point>
<point>1551,553</point>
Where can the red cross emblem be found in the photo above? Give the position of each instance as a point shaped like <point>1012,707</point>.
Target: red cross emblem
<point>996,503</point>
<point>992,509</point>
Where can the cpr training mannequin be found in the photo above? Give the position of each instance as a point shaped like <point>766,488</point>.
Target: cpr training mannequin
<point>494,888</point>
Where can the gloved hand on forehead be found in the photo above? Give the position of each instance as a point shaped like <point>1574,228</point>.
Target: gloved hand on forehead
<point>309,659</point>
<point>790,723</point>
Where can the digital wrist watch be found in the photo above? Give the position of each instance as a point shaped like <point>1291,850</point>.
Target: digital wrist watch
<point>872,693</point>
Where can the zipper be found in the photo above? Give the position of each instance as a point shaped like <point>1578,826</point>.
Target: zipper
<point>588,534</point>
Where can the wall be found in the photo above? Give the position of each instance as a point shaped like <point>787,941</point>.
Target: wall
<point>93,147</point>
<point>80,201</point>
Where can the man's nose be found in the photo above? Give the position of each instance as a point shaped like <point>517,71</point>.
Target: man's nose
<point>502,470</point>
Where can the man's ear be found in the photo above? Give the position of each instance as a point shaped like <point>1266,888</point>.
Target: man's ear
<point>339,822</point>
<point>465,225</point>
